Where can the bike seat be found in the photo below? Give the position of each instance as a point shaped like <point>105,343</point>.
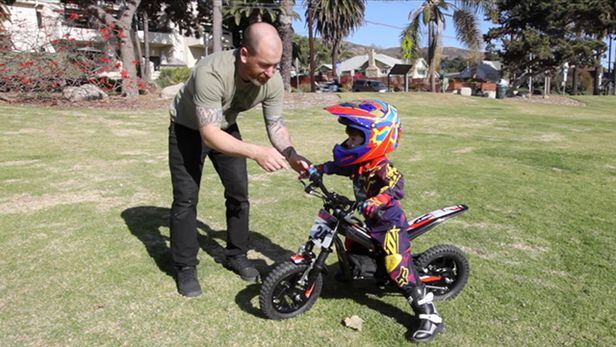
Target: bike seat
<point>429,220</point>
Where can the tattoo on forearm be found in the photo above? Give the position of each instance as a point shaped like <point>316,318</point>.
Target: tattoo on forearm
<point>278,134</point>
<point>274,124</point>
<point>208,116</point>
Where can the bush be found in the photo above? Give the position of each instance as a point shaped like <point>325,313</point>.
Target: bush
<point>171,76</point>
<point>51,72</point>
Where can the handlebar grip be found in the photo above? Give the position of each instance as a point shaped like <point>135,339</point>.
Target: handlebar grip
<point>313,174</point>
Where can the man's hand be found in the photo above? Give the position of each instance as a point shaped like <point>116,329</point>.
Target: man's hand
<point>299,163</point>
<point>270,159</point>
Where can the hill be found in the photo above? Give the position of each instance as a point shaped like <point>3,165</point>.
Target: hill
<point>357,49</point>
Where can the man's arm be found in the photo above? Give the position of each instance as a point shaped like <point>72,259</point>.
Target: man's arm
<point>281,140</point>
<point>210,120</point>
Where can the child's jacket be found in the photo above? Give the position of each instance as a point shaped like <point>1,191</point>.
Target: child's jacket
<point>381,182</point>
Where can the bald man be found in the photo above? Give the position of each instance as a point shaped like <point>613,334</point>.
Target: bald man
<point>203,123</point>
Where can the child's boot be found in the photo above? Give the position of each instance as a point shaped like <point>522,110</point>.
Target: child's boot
<point>430,323</point>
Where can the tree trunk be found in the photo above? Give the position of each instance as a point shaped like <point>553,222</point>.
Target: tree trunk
<point>217,26</point>
<point>431,51</point>
<point>574,81</point>
<point>311,45</point>
<point>122,32</point>
<point>146,47</point>
<point>129,73</point>
<point>334,59</point>
<point>135,35</point>
<point>596,85</point>
<point>286,33</point>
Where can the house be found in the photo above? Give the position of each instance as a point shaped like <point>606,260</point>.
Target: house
<point>420,69</point>
<point>359,63</point>
<point>43,25</point>
<point>384,62</point>
<point>487,70</point>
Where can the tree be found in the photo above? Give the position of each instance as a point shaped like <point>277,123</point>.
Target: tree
<point>310,23</point>
<point>116,25</point>
<point>189,18</point>
<point>280,14</point>
<point>538,37</point>
<point>456,64</point>
<point>286,32</point>
<point>321,52</point>
<point>335,20</point>
<point>431,16</point>
<point>5,15</point>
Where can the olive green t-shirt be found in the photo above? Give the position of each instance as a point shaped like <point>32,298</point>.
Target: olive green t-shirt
<point>214,83</point>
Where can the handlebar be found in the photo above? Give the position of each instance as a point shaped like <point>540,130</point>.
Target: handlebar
<point>329,197</point>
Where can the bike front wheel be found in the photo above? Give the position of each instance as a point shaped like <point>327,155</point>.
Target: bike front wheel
<point>282,296</point>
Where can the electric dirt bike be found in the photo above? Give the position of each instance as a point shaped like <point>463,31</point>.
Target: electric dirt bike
<point>294,285</point>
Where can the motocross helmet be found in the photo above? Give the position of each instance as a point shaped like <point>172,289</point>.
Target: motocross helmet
<point>377,120</point>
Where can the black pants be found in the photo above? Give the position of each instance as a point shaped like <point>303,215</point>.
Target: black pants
<point>186,156</point>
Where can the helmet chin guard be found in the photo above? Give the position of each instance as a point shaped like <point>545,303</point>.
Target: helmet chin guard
<point>377,120</point>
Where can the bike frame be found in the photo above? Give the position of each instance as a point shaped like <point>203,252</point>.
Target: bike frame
<point>335,218</point>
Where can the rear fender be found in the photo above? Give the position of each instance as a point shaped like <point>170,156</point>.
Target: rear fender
<point>427,221</point>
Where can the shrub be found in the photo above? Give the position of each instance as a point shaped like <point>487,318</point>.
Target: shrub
<point>28,72</point>
<point>171,76</point>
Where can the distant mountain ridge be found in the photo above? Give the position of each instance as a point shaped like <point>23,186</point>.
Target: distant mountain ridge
<point>448,52</point>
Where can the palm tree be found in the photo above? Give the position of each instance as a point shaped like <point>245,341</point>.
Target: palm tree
<point>310,23</point>
<point>335,20</point>
<point>431,16</point>
<point>217,26</point>
<point>280,14</point>
<point>286,32</point>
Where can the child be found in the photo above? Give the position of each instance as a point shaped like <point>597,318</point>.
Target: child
<point>373,129</point>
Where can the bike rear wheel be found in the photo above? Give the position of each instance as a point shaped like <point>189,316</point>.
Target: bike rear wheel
<point>281,295</point>
<point>444,270</point>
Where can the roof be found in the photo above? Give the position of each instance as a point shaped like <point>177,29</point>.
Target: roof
<point>487,70</point>
<point>358,61</point>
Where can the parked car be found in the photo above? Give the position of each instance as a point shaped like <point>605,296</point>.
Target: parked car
<point>328,87</point>
<point>369,86</point>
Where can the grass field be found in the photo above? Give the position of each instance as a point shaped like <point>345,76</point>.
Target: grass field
<point>85,196</point>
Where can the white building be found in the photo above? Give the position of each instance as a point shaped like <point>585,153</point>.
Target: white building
<point>359,63</point>
<point>40,25</point>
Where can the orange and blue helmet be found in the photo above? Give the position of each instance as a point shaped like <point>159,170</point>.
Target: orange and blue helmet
<point>377,120</point>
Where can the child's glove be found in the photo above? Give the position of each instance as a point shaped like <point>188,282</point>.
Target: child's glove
<point>313,172</point>
<point>369,208</point>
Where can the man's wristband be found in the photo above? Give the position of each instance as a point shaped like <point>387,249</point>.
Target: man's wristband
<point>289,152</point>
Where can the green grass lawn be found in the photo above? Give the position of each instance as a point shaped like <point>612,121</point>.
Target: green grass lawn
<point>85,196</point>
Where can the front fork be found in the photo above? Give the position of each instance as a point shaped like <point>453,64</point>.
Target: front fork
<point>315,265</point>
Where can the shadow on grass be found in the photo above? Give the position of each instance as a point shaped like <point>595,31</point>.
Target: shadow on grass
<point>145,223</point>
<point>363,292</point>
<point>367,293</point>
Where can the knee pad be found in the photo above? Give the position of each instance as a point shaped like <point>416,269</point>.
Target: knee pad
<point>392,261</point>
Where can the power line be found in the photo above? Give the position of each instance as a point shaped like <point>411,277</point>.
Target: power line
<point>401,28</point>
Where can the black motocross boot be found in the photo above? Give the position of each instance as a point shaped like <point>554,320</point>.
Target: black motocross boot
<point>430,323</point>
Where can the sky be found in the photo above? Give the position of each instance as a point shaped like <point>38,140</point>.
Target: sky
<point>384,21</point>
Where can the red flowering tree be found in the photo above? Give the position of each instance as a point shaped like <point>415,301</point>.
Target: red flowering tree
<point>115,21</point>
<point>51,56</point>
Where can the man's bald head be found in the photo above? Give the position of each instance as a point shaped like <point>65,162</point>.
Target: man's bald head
<point>260,53</point>
<point>259,36</point>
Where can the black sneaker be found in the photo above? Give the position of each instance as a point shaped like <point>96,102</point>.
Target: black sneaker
<point>187,282</point>
<point>241,266</point>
